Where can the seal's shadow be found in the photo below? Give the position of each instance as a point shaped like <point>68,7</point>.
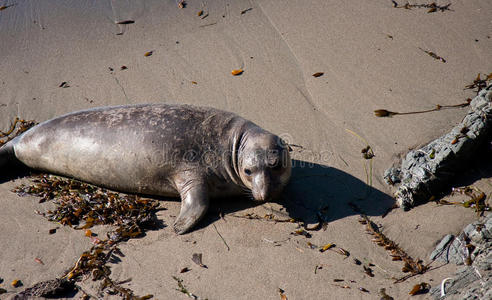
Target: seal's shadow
<point>314,188</point>
<point>13,170</point>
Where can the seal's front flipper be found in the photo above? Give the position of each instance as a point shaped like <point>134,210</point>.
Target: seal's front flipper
<point>194,205</point>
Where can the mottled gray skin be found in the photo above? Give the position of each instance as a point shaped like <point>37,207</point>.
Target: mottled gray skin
<point>159,149</point>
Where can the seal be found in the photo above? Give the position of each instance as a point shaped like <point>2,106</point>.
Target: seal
<point>195,153</point>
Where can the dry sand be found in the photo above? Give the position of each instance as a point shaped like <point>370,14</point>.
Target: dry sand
<point>369,53</point>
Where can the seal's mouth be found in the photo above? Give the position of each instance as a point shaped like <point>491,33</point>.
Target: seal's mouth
<point>264,195</point>
<point>260,198</point>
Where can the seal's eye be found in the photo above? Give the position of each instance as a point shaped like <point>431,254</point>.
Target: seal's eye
<point>247,172</point>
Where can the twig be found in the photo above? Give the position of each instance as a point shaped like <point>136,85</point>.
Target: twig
<point>225,243</point>
<point>206,25</point>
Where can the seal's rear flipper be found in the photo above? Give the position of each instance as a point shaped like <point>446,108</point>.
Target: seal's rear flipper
<point>7,156</point>
<point>10,166</point>
<point>194,205</point>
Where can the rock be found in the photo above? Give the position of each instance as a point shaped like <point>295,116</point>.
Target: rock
<point>474,281</point>
<point>426,171</point>
<point>441,246</point>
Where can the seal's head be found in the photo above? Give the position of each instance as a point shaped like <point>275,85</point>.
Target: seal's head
<point>264,164</point>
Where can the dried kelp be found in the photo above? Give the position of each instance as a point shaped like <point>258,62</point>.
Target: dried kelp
<point>16,128</point>
<point>77,203</point>
<point>367,155</point>
<point>432,7</point>
<point>433,55</point>
<point>477,199</point>
<point>411,266</point>
<point>414,267</point>
<point>387,113</point>
<point>479,83</point>
<point>182,288</point>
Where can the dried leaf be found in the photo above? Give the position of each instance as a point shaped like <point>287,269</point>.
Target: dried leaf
<point>149,53</point>
<point>318,74</point>
<point>384,296</point>
<point>246,10</point>
<point>302,232</point>
<point>343,252</point>
<point>282,294</point>
<point>312,246</point>
<point>5,6</point>
<point>326,247</point>
<point>125,22</point>
<point>420,288</point>
<point>16,283</point>
<point>197,259</point>
<point>39,261</point>
<point>368,271</point>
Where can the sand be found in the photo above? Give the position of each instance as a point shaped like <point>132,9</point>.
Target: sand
<point>369,54</point>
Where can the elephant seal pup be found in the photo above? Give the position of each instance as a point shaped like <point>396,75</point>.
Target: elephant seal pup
<point>193,152</point>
